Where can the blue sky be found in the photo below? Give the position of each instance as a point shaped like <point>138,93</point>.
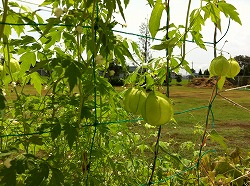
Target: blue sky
<point>238,36</point>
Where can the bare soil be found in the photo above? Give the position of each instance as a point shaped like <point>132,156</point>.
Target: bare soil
<point>207,82</point>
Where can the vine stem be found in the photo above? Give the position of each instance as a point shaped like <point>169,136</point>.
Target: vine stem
<point>5,9</point>
<point>203,141</point>
<point>94,36</point>
<point>184,37</point>
<point>155,156</point>
<point>213,95</point>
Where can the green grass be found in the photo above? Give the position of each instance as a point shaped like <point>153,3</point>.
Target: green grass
<point>230,121</point>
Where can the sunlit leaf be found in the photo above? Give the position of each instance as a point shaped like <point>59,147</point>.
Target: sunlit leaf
<point>168,44</point>
<point>155,18</point>
<point>27,59</point>
<point>37,81</point>
<point>229,10</point>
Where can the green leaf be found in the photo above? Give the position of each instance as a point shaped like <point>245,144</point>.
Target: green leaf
<point>149,80</point>
<point>168,44</point>
<point>31,23</point>
<point>39,66</point>
<point>72,73</point>
<point>151,3</point>
<point>20,166</point>
<point>196,20</point>
<point>197,37</point>
<point>186,66</point>
<point>8,176</point>
<point>103,86</point>
<point>57,177</point>
<point>211,11</point>
<point>126,2</point>
<point>136,49</point>
<point>51,23</point>
<point>86,112</point>
<point>35,139</point>
<point>131,78</point>
<point>218,138</point>
<point>121,9</point>
<point>35,178</point>
<point>173,62</point>
<point>56,131</point>
<point>225,168</point>
<point>71,133</point>
<point>155,18</point>
<point>37,81</point>
<point>27,59</point>
<point>229,10</point>
<point>15,19</point>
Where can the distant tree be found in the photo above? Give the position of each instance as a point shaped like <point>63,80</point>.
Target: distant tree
<point>116,73</point>
<point>192,70</point>
<point>117,68</point>
<point>145,41</point>
<point>178,78</point>
<point>206,72</point>
<point>200,72</point>
<point>244,62</point>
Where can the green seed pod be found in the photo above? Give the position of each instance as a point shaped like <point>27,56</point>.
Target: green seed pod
<point>14,66</point>
<point>157,109</point>
<point>219,66</point>
<point>126,99</point>
<point>234,68</point>
<point>133,100</point>
<point>2,71</point>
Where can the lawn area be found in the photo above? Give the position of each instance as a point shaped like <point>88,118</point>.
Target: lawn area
<point>230,121</point>
<point>191,105</point>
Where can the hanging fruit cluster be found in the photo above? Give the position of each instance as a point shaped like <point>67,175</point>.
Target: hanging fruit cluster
<point>223,68</point>
<point>220,66</point>
<point>155,108</point>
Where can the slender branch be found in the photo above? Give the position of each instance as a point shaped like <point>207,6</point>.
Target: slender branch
<point>215,36</point>
<point>167,52</point>
<point>185,34</point>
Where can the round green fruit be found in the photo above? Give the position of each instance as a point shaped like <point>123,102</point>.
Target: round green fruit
<point>134,99</point>
<point>126,99</point>
<point>13,66</point>
<point>219,66</point>
<point>111,73</point>
<point>58,12</point>
<point>157,109</point>
<point>234,68</point>
<point>1,71</point>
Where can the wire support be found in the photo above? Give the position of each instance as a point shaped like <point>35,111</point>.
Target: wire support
<point>114,30</point>
<point>96,124</point>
